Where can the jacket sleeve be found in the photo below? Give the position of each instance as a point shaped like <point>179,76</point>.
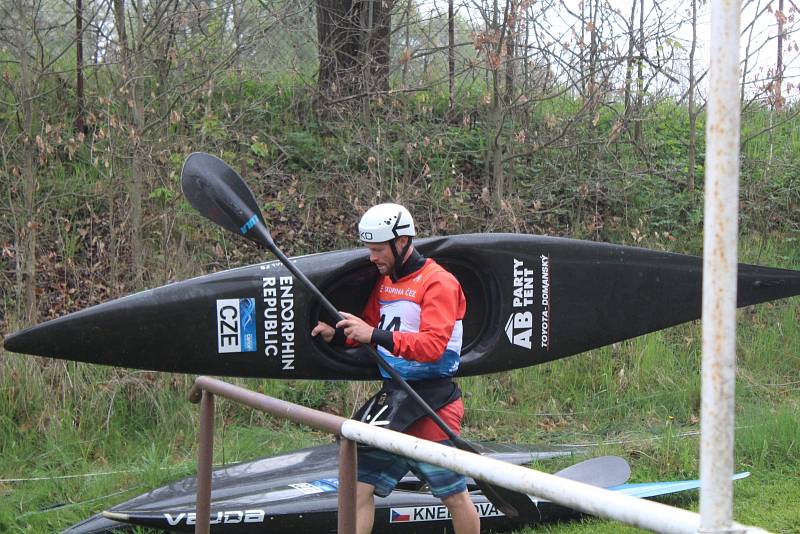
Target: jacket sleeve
<point>442,304</point>
<point>371,313</point>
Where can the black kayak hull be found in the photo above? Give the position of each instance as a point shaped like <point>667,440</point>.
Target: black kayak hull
<point>297,492</point>
<point>530,299</point>
<point>403,512</point>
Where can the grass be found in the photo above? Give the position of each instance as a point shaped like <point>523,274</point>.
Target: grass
<point>89,437</point>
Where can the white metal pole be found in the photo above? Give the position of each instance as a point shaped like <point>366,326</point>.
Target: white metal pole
<point>590,499</point>
<point>719,270</point>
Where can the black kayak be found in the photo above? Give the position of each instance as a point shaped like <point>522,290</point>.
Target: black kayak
<point>530,300</point>
<point>297,492</point>
<point>288,486</point>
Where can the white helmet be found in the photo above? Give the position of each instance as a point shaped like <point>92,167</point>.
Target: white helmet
<point>385,222</point>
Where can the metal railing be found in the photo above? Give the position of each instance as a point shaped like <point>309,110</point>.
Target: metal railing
<point>203,391</point>
<point>576,495</point>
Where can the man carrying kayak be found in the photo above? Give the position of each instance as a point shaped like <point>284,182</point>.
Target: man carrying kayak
<point>414,318</point>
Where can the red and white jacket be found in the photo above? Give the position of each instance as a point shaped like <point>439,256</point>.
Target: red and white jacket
<point>423,310</point>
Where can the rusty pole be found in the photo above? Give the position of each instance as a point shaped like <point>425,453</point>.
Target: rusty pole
<point>326,422</point>
<point>203,391</point>
<point>347,486</point>
<point>720,229</point>
<point>205,451</point>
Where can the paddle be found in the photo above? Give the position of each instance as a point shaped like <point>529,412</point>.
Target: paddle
<point>220,194</point>
<point>602,471</point>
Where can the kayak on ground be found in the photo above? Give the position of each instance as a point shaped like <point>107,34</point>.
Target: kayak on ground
<point>297,492</point>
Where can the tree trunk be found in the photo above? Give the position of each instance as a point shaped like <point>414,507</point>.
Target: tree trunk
<point>593,87</point>
<point>495,144</point>
<point>451,56</point>
<point>353,47</point>
<point>593,49</point>
<point>581,83</point>
<point>122,33</point>
<point>338,38</point>
<point>629,66</point>
<point>510,44</point>
<point>495,129</point>
<point>139,169</point>
<point>29,272</point>
<point>113,234</point>
<point>746,58</point>
<point>407,50</point>
<point>526,85</point>
<point>26,253</point>
<point>378,30</point>
<point>137,188</point>
<point>114,158</point>
<point>239,27</point>
<point>637,130</point>
<point>779,101</point>
<point>131,80</point>
<point>79,121</point>
<point>29,186</point>
<point>690,179</point>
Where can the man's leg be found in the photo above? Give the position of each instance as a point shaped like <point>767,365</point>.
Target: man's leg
<point>451,488</point>
<point>465,516</point>
<point>378,474</point>
<point>365,507</point>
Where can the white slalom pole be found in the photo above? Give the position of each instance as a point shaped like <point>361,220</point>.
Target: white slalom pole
<point>719,270</point>
<point>590,499</point>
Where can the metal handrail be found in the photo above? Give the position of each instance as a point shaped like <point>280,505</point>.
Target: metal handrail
<point>203,392</point>
<point>585,498</point>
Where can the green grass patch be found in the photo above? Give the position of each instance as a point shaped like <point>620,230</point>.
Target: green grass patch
<point>87,437</point>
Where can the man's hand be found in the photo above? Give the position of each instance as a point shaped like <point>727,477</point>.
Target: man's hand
<point>325,330</point>
<point>355,328</point>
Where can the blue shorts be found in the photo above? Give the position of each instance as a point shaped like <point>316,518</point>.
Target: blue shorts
<point>384,470</point>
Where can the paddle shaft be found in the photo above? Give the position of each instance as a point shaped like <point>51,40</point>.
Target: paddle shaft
<point>221,195</point>
<point>511,503</point>
<point>461,443</point>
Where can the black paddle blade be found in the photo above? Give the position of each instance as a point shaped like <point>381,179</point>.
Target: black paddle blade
<point>220,194</point>
<point>513,504</point>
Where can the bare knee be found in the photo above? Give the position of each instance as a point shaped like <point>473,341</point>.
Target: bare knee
<point>458,502</point>
<point>364,492</point>
<point>465,517</point>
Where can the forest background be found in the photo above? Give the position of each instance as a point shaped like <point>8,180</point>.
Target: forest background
<point>579,119</point>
